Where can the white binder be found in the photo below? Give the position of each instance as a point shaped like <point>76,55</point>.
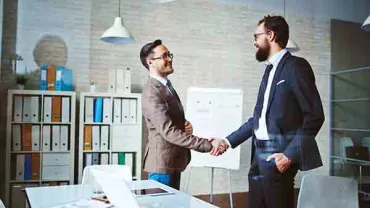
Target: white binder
<point>104,158</point>
<point>127,81</point>
<point>104,138</point>
<point>46,138</point>
<point>18,100</point>
<point>120,81</point>
<point>95,138</point>
<point>26,109</point>
<point>56,138</point>
<point>17,138</point>
<point>20,167</point>
<point>64,138</point>
<point>34,109</point>
<point>107,110</point>
<point>89,110</point>
<point>129,161</point>
<point>112,81</point>
<point>35,138</point>
<point>125,111</point>
<point>88,159</point>
<point>65,109</point>
<point>117,110</point>
<point>115,158</point>
<point>133,111</point>
<point>47,109</point>
<point>123,81</point>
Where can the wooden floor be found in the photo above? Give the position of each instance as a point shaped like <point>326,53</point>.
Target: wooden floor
<point>240,200</point>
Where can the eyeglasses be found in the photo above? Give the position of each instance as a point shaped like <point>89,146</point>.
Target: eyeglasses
<point>256,35</point>
<point>164,56</point>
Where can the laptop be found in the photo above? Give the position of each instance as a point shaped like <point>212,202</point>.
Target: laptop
<point>116,190</point>
<point>357,152</point>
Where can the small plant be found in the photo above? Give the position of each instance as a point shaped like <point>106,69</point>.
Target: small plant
<point>92,82</point>
<point>21,79</point>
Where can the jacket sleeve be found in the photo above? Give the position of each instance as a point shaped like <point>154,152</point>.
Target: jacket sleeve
<point>157,112</point>
<point>303,85</point>
<point>242,134</point>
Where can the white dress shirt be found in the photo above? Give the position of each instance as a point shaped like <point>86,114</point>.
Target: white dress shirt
<point>160,79</point>
<point>261,132</point>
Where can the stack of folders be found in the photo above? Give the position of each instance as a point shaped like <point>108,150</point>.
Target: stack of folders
<point>26,166</point>
<point>56,78</point>
<point>55,138</point>
<point>119,81</point>
<point>26,109</point>
<point>100,110</point>
<point>56,109</point>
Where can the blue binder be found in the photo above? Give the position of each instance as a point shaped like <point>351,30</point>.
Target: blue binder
<point>98,109</point>
<point>64,79</point>
<point>27,167</point>
<point>43,77</point>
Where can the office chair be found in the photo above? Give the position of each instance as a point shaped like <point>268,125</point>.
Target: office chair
<point>319,191</point>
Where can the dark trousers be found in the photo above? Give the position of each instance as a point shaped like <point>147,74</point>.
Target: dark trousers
<point>170,179</point>
<point>268,188</point>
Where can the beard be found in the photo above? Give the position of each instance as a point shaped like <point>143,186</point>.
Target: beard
<point>263,53</point>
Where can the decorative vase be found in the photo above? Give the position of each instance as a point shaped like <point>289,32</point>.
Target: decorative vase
<point>92,88</point>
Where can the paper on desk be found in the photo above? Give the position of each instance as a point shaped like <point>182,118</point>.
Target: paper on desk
<point>116,190</point>
<point>84,203</point>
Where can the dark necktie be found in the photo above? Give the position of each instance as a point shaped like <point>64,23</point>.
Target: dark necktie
<point>172,91</point>
<point>261,95</point>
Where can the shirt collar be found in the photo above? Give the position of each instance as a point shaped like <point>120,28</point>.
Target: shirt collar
<point>160,79</point>
<point>275,59</point>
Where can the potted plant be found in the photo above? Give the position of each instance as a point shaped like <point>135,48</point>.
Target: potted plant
<point>21,80</point>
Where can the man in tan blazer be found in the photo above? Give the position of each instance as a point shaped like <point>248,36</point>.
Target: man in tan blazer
<point>170,136</point>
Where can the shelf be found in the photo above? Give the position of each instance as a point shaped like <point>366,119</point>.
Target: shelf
<point>47,152</point>
<point>25,181</point>
<point>344,129</point>
<point>42,181</point>
<point>39,123</point>
<point>24,152</point>
<point>96,151</point>
<point>350,70</point>
<point>350,100</point>
<point>97,123</point>
<point>42,92</point>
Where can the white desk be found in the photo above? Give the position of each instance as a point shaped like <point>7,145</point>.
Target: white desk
<point>43,197</point>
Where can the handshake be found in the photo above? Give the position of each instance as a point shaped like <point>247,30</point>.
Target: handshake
<point>219,146</point>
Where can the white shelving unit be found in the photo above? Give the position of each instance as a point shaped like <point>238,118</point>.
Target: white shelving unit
<point>34,156</point>
<point>113,137</point>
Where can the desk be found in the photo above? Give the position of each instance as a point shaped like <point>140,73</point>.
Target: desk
<point>43,197</point>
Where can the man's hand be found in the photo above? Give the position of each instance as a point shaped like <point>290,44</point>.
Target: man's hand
<point>219,146</point>
<point>281,161</point>
<point>188,128</point>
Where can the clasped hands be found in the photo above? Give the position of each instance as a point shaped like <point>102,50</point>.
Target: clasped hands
<point>219,146</point>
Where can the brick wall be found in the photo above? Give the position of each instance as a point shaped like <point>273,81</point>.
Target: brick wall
<point>212,44</point>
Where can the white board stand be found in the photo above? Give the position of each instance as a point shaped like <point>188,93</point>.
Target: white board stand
<point>212,177</point>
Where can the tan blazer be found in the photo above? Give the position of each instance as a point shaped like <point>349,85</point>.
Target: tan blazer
<point>168,147</point>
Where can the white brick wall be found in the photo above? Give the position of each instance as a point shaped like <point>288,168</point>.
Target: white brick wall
<point>212,44</point>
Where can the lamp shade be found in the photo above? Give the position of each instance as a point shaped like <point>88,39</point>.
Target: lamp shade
<point>366,25</point>
<point>292,46</point>
<point>158,1</point>
<point>117,33</point>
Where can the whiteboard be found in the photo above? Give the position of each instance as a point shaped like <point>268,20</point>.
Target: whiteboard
<point>215,112</point>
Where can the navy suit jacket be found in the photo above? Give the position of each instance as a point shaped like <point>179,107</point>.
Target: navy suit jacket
<point>294,114</point>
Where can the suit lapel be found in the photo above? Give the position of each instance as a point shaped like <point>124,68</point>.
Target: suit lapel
<point>276,78</point>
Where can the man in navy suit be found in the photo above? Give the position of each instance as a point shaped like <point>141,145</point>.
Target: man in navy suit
<point>287,117</point>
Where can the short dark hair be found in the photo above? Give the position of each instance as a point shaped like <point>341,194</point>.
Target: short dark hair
<point>279,26</point>
<point>146,50</point>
